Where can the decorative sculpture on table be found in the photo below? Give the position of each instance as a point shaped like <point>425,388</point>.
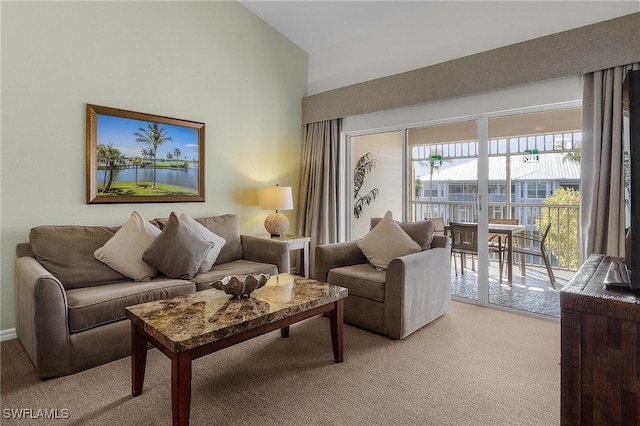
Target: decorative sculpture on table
<point>240,286</point>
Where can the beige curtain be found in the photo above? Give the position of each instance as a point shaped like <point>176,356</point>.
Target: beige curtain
<point>602,192</point>
<point>318,214</point>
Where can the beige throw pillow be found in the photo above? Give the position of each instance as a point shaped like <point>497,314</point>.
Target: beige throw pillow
<point>123,251</point>
<point>218,241</point>
<point>385,242</point>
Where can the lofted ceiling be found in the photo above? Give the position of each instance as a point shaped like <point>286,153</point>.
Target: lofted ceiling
<point>314,25</point>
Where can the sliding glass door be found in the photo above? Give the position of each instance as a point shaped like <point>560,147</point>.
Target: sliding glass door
<point>515,177</point>
<point>444,173</point>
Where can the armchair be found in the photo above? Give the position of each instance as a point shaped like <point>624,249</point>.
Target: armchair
<point>413,291</point>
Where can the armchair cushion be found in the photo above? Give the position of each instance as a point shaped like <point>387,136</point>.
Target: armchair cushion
<point>123,252</point>
<point>178,251</point>
<point>385,242</point>
<point>362,280</point>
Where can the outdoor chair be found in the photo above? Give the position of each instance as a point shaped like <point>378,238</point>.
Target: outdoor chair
<point>464,241</point>
<point>439,223</point>
<point>499,240</point>
<point>534,245</point>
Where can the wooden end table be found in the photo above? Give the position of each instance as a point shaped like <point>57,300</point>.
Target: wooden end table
<point>297,242</point>
<point>187,327</point>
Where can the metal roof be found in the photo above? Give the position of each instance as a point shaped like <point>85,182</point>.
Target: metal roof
<point>551,167</point>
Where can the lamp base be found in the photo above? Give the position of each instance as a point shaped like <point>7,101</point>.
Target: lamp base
<point>276,224</point>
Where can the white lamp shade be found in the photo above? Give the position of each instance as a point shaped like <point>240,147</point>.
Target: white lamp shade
<point>277,198</point>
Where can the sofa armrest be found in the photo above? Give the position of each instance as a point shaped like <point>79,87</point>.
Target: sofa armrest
<point>417,291</point>
<point>41,318</point>
<point>329,256</point>
<point>265,250</point>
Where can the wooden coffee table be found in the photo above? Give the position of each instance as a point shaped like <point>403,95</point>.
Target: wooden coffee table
<point>187,327</point>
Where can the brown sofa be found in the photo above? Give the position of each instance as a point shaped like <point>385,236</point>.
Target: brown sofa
<point>70,307</point>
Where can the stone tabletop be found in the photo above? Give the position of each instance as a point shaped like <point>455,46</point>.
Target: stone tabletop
<point>186,322</point>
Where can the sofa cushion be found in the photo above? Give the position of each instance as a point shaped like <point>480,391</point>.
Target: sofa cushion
<point>228,227</point>
<point>385,242</point>
<point>235,267</point>
<point>67,252</point>
<point>178,251</point>
<point>218,242</point>
<point>123,252</point>
<point>91,307</point>
<point>362,280</point>
<point>422,231</point>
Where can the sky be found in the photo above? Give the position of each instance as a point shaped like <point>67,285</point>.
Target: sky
<point>119,131</point>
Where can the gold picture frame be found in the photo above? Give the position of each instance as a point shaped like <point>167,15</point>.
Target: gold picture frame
<point>133,157</point>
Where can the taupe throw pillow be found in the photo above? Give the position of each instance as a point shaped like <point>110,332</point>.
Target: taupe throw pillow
<point>178,251</point>
<point>385,242</point>
<point>123,251</point>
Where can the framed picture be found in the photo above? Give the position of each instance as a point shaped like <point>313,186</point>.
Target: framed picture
<point>142,158</point>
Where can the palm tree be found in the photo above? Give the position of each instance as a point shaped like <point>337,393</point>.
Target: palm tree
<point>176,154</point>
<point>153,135</point>
<point>136,161</point>
<point>169,158</point>
<point>434,164</point>
<point>364,165</point>
<point>111,157</point>
<point>573,156</point>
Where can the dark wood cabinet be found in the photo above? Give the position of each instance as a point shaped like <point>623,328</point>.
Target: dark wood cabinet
<point>600,364</point>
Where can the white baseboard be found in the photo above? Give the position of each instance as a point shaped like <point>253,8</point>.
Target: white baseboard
<point>8,334</point>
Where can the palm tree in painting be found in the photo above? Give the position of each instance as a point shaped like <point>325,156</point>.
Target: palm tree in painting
<point>169,158</point>
<point>147,153</point>
<point>176,154</point>
<point>110,157</point>
<point>136,161</point>
<point>153,135</point>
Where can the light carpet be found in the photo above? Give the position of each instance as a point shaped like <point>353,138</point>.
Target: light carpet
<point>473,366</point>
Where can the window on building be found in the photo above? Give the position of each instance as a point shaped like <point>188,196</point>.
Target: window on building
<point>463,192</point>
<point>536,190</point>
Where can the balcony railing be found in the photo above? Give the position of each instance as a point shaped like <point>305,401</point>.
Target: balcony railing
<point>563,242</point>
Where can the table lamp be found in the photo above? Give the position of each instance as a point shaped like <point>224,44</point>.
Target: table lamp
<point>276,198</point>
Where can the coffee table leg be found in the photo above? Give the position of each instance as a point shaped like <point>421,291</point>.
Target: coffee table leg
<point>336,317</point>
<point>284,331</point>
<point>138,360</point>
<point>181,387</point>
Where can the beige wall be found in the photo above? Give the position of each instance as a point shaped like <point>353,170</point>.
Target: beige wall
<point>212,62</point>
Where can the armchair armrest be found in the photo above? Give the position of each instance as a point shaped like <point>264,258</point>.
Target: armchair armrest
<point>329,256</point>
<point>418,290</point>
<point>42,322</point>
<point>265,250</point>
